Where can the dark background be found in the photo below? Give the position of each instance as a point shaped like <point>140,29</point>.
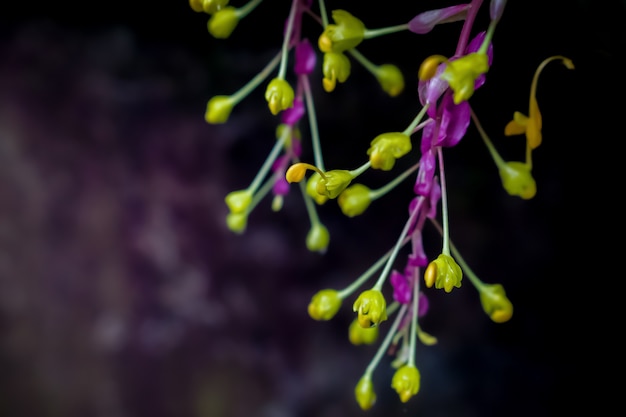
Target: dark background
<point>122,293</point>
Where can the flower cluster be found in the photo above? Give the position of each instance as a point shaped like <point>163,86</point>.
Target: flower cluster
<point>445,87</point>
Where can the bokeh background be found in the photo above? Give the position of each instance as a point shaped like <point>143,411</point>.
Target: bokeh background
<point>123,294</point>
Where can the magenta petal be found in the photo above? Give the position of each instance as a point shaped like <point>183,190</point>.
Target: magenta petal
<point>305,58</point>
<point>435,195</point>
<point>425,174</point>
<point>422,308</point>
<point>292,115</point>
<point>454,122</point>
<point>430,91</point>
<point>281,186</point>
<point>401,288</point>
<point>426,21</point>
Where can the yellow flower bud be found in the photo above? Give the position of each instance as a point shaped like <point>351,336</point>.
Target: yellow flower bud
<point>517,180</point>
<point>391,79</point>
<point>324,305</point>
<point>444,273</point>
<point>462,73</point>
<point>364,392</point>
<point>311,189</point>
<point>406,382</point>
<point>386,148</point>
<point>495,302</point>
<point>296,172</point>
<point>362,336</point>
<point>336,68</point>
<point>238,201</point>
<point>371,308</point>
<point>218,109</point>
<point>346,33</point>
<point>428,68</point>
<point>279,95</point>
<point>318,238</point>
<point>354,200</point>
<point>237,222</point>
<point>334,182</point>
<point>223,22</point>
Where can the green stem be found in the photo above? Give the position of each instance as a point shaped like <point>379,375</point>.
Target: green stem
<point>373,33</point>
<point>459,259</point>
<point>385,344</point>
<point>246,9</point>
<point>375,194</point>
<point>269,160</point>
<point>315,137</point>
<point>367,274</point>
<point>444,204</point>
<point>254,82</point>
<point>356,172</point>
<point>287,39</point>
<point>367,64</point>
<point>409,130</point>
<point>396,249</point>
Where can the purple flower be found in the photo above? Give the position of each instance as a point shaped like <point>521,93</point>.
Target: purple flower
<point>281,186</point>
<point>425,173</point>
<point>455,119</point>
<point>426,21</point>
<point>401,288</point>
<point>305,58</point>
<point>292,115</point>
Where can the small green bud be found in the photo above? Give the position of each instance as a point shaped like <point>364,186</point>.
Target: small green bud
<point>311,189</point>
<point>212,6</point>
<point>406,382</point>
<point>362,336</point>
<point>218,109</point>
<point>462,73</point>
<point>279,95</point>
<point>386,148</point>
<point>354,200</point>
<point>444,273</point>
<point>495,302</point>
<point>237,222</point>
<point>196,5</point>
<point>238,201</point>
<point>336,68</point>
<point>277,203</point>
<point>334,182</point>
<point>364,392</point>
<point>346,33</point>
<point>324,305</point>
<point>223,22</point>
<point>517,180</point>
<point>318,238</point>
<point>371,308</point>
<point>391,79</point>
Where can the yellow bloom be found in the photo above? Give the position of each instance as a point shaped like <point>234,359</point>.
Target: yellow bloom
<point>518,180</point>
<point>223,22</point>
<point>354,200</point>
<point>364,392</point>
<point>362,336</point>
<point>324,305</point>
<point>444,273</point>
<point>371,308</point>
<point>462,73</point>
<point>386,148</point>
<point>531,124</point>
<point>336,68</point>
<point>238,201</point>
<point>406,382</point>
<point>279,95</point>
<point>346,33</point>
<point>495,302</point>
<point>218,109</point>
<point>391,79</point>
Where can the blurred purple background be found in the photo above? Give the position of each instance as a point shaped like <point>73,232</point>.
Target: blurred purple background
<point>122,293</point>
